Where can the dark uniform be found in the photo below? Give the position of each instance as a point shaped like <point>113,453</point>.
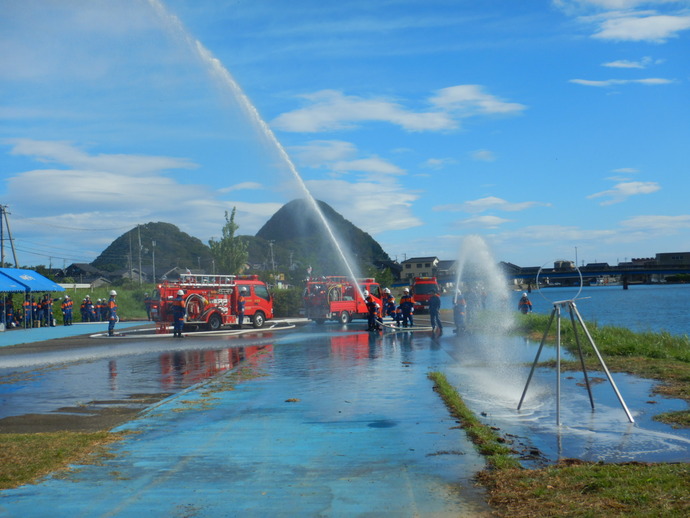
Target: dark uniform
<point>112,313</point>
<point>179,311</point>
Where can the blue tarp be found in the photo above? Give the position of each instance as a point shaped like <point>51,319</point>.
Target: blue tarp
<point>7,285</point>
<point>27,280</point>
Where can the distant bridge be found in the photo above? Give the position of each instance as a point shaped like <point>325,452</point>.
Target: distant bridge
<point>630,273</point>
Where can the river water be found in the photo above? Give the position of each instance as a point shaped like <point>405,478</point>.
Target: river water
<point>640,308</point>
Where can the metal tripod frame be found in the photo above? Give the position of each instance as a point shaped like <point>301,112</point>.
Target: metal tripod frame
<point>570,304</point>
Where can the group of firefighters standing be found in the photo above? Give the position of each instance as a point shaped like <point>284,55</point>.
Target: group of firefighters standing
<point>34,312</point>
<point>39,312</point>
<point>403,313</point>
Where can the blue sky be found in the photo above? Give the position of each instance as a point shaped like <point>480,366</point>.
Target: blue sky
<point>554,129</point>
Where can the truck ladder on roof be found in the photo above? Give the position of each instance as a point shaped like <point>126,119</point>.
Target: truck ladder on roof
<point>190,280</point>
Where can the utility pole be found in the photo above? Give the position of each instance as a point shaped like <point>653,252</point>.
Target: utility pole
<point>5,223</point>
<point>273,264</point>
<point>2,237</point>
<point>131,275</point>
<point>140,247</point>
<point>153,259</point>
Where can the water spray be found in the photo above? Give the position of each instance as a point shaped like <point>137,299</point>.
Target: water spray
<point>221,73</point>
<point>558,305</point>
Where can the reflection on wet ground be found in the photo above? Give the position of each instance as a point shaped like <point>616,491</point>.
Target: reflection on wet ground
<point>488,371</point>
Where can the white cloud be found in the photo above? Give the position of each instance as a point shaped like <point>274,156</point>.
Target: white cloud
<point>663,224</point>
<point>483,155</point>
<point>652,27</point>
<point>620,20</point>
<point>53,152</point>
<point>370,165</point>
<point>482,221</point>
<point>316,152</point>
<point>490,203</point>
<point>331,110</point>
<point>585,5</point>
<point>375,206</point>
<point>467,100</point>
<point>622,191</point>
<point>108,194</point>
<point>242,187</point>
<point>624,63</point>
<point>437,163</point>
<point>550,234</point>
<point>626,170</point>
<point>615,82</point>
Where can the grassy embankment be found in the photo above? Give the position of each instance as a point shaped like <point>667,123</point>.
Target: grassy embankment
<point>130,301</point>
<point>660,356</point>
<point>575,488</point>
<point>26,457</point>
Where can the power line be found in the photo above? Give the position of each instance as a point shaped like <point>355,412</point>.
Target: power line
<point>43,223</point>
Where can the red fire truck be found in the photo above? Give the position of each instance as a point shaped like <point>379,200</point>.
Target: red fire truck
<point>211,300</point>
<point>338,298</point>
<point>421,290</point>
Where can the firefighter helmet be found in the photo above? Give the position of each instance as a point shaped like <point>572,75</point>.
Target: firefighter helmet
<point>386,290</point>
<point>180,292</point>
<point>113,293</point>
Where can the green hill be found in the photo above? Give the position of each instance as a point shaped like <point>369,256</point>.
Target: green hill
<point>297,230</point>
<point>172,248</point>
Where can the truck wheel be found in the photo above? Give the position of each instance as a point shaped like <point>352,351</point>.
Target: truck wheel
<point>214,322</point>
<point>258,320</point>
<point>345,318</point>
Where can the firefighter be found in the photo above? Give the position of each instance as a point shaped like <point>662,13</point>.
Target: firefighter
<point>47,304</point>
<point>398,316</point>
<point>36,312</point>
<point>8,312</point>
<point>112,313</point>
<point>373,314</point>
<point>435,312</point>
<point>28,312</point>
<point>524,304</point>
<point>102,311</point>
<point>241,302</point>
<point>147,305</point>
<point>388,301</point>
<point>179,312</point>
<point>83,311</point>
<point>459,312</point>
<point>67,310</point>
<point>407,308</point>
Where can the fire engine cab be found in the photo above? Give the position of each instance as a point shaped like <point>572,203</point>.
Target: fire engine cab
<point>338,298</point>
<point>211,300</point>
<point>422,288</point>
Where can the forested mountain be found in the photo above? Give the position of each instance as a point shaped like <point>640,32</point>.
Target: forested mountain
<point>290,241</point>
<point>172,248</point>
<point>297,228</point>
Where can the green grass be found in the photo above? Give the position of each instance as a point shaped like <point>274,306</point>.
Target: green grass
<point>610,340</point>
<point>26,457</point>
<point>487,442</point>
<point>572,488</point>
<point>583,489</point>
<point>130,301</point>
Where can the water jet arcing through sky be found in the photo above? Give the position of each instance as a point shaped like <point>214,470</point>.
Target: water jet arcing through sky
<point>220,73</point>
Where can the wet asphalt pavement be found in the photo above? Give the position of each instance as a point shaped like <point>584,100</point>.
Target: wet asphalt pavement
<point>314,421</point>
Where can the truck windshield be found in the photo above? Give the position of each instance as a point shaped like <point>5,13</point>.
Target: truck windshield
<point>424,289</point>
<point>262,292</point>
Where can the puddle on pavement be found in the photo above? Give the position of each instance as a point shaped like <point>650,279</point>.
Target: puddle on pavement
<point>488,371</point>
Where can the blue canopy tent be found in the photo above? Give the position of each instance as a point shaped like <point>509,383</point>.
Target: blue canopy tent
<point>16,280</point>
<point>31,280</point>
